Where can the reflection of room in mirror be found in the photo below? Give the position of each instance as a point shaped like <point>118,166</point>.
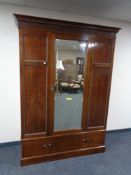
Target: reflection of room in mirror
<point>70,61</point>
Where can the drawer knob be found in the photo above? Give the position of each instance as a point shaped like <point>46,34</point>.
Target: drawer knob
<point>44,145</point>
<point>86,140</point>
<point>49,144</point>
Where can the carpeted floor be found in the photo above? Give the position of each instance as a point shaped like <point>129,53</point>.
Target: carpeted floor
<point>68,112</point>
<point>115,161</point>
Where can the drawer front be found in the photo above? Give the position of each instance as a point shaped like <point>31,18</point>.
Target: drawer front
<point>56,144</point>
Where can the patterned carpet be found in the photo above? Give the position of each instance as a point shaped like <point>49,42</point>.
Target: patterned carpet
<point>115,161</point>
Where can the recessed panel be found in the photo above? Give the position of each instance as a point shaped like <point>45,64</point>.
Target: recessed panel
<point>34,47</point>
<point>103,52</point>
<point>35,99</point>
<point>98,97</point>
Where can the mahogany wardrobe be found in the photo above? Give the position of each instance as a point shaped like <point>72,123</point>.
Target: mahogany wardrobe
<point>65,78</point>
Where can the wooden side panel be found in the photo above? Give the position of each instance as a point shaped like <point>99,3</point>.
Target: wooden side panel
<point>101,60</point>
<point>33,81</point>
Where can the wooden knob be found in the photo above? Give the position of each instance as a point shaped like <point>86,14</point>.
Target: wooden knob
<point>49,144</point>
<point>44,145</point>
<point>86,140</point>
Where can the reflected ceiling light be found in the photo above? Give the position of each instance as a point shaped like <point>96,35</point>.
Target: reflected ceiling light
<point>91,45</point>
<point>83,45</point>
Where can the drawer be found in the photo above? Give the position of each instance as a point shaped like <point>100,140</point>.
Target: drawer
<point>56,144</point>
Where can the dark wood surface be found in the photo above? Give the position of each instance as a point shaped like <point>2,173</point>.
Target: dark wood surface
<point>61,155</point>
<point>100,77</point>
<point>61,25</point>
<point>37,70</point>
<point>34,86</point>
<point>62,143</point>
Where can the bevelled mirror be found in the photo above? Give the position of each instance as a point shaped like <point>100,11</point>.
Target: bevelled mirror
<point>69,83</point>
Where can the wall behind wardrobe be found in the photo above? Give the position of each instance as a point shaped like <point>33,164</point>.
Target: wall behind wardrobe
<point>119,115</point>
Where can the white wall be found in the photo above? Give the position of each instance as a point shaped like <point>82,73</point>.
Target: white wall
<point>120,99</point>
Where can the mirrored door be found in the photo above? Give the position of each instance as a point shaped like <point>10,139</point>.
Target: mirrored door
<point>69,83</point>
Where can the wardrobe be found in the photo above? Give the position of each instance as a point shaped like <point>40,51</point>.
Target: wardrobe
<point>60,117</point>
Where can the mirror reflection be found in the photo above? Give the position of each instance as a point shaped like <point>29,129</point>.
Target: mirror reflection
<point>69,83</point>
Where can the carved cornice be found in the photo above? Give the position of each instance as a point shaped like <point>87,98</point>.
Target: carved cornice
<point>61,24</point>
